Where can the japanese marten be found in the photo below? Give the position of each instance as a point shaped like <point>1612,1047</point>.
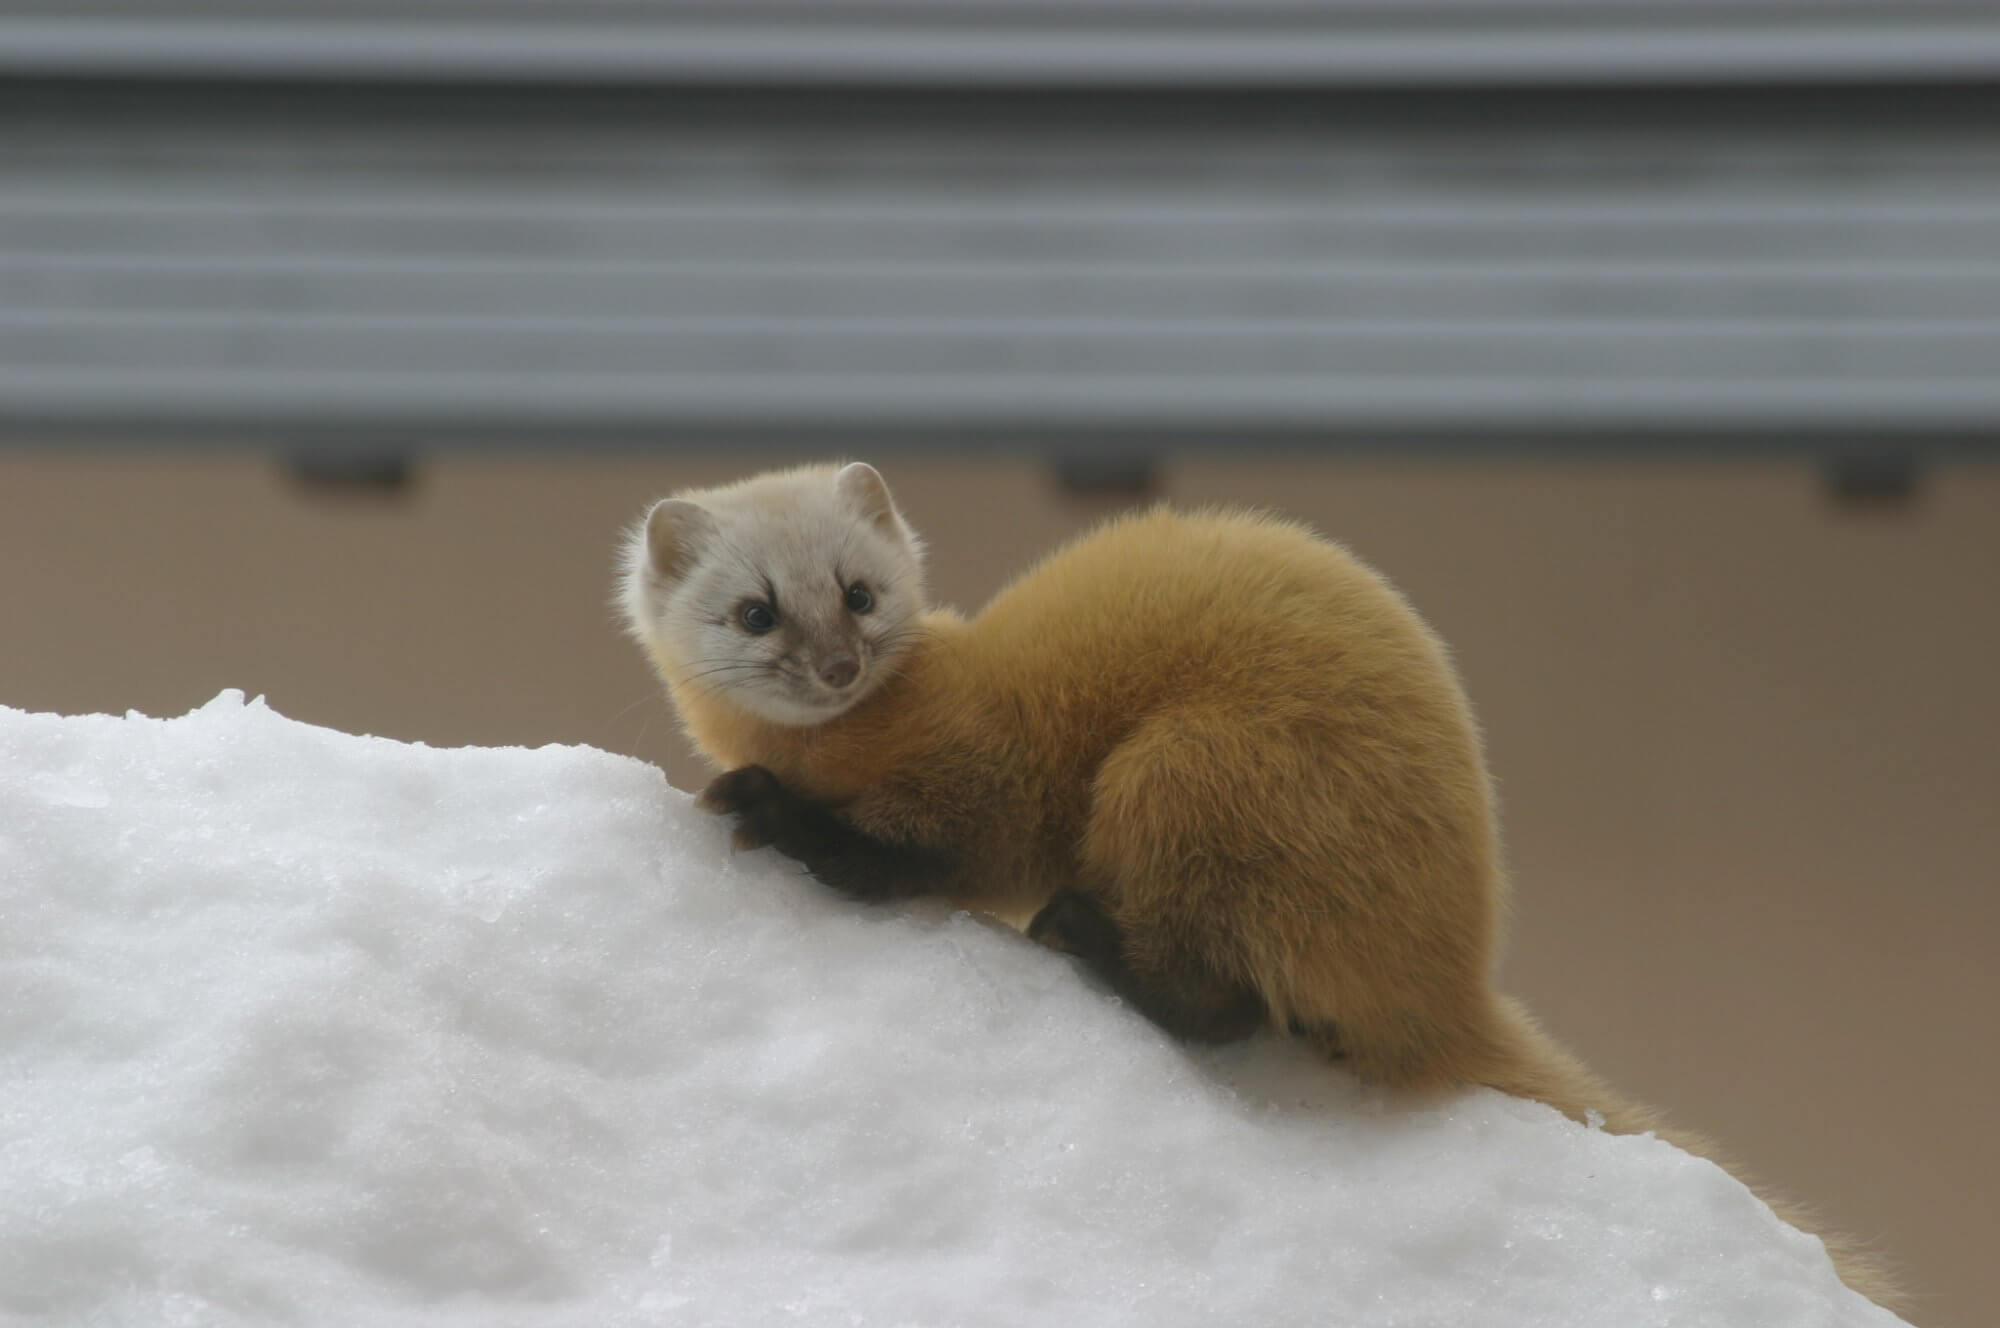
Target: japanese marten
<point>1211,754</point>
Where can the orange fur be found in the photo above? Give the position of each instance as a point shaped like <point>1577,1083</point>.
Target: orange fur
<point>1252,750</point>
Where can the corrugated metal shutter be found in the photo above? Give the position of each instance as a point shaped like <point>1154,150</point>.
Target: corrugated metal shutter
<point>212,253</point>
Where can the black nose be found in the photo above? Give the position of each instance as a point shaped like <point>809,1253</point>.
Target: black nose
<point>839,671</point>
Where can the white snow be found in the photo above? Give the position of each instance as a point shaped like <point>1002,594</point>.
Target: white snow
<point>304,1028</point>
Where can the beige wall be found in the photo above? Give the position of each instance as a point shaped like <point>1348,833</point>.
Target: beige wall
<point>1748,741</point>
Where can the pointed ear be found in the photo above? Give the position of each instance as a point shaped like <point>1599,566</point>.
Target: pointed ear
<point>676,530</point>
<point>864,489</point>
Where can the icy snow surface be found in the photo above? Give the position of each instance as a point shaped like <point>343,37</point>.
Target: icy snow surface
<point>304,1028</point>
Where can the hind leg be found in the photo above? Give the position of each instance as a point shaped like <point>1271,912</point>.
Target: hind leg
<point>1172,987</point>
<point>1304,864</point>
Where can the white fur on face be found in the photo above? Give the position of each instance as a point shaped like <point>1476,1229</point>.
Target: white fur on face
<point>797,542</point>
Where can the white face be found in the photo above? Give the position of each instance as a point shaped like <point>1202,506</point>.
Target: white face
<point>785,595</point>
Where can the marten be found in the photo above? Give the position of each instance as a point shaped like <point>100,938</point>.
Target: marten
<point>1210,754</point>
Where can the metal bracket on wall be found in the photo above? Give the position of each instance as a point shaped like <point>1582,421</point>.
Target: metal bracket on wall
<point>1873,479</point>
<point>1112,475</point>
<point>343,473</point>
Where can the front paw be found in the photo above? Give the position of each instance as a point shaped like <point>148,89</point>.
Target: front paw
<point>739,790</point>
<point>1074,923</point>
<point>754,797</point>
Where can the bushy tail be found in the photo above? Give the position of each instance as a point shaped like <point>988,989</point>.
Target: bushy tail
<point>1526,1062</point>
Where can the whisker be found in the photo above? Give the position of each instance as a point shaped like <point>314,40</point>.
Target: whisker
<point>611,722</point>
<point>734,665</point>
<point>652,694</point>
<point>713,678</point>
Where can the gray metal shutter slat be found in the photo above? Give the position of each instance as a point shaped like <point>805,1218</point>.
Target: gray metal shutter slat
<point>1014,44</point>
<point>500,407</point>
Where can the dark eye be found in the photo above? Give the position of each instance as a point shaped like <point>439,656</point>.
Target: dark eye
<point>757,617</point>
<point>858,598</point>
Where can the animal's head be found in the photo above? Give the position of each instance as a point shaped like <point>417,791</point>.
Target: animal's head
<point>790,594</point>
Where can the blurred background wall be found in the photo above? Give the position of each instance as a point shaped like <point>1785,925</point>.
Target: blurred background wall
<point>1649,346</point>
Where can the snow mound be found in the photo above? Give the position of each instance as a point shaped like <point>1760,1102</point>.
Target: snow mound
<point>305,1028</point>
